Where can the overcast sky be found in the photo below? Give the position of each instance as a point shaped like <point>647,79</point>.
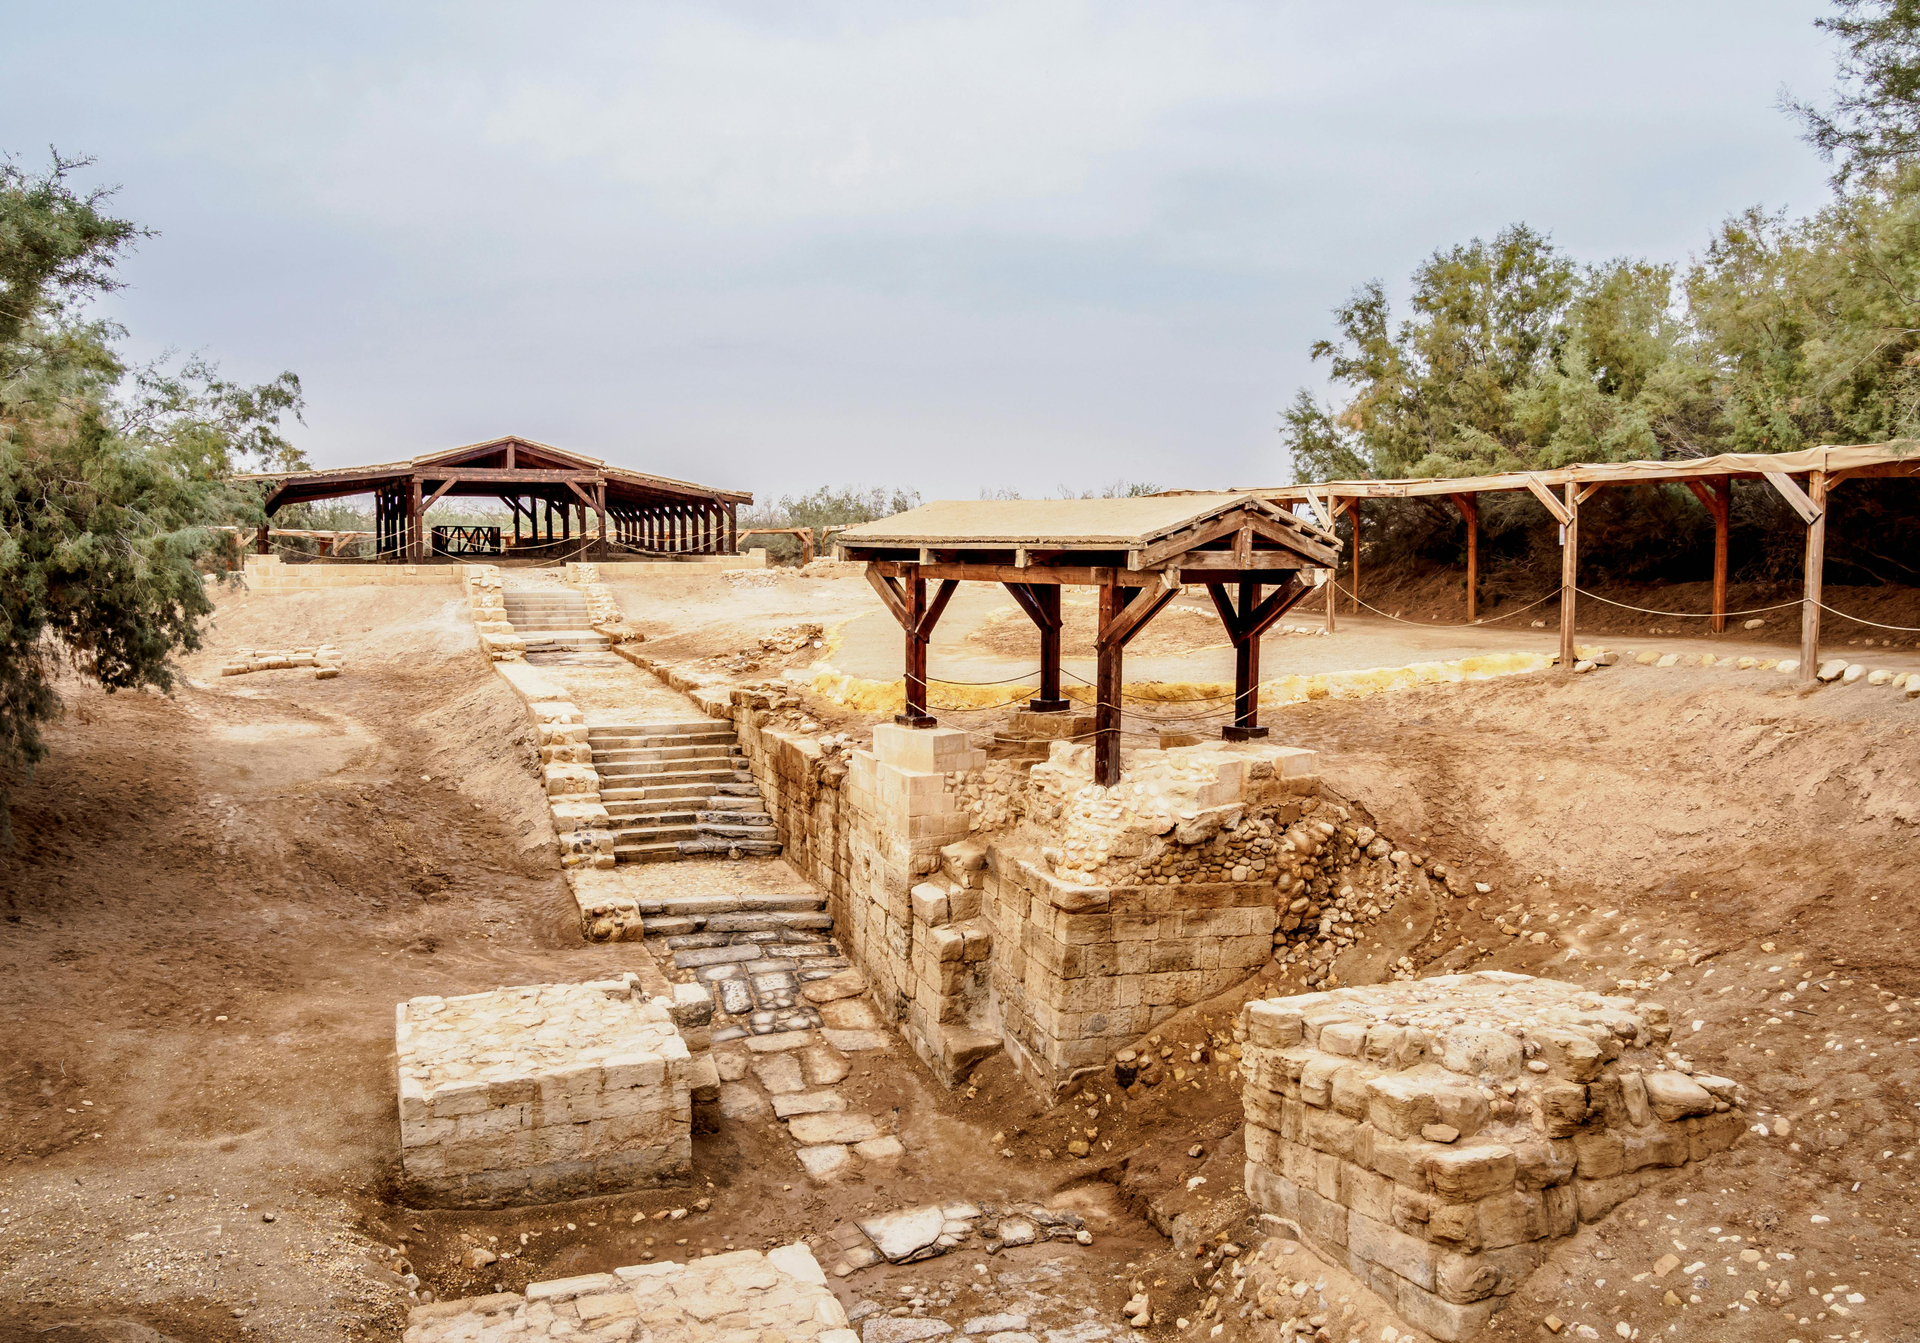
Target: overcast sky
<point>947,247</point>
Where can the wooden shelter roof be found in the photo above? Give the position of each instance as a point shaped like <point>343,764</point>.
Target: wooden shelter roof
<point>1898,457</point>
<point>496,467</point>
<point>1147,532</point>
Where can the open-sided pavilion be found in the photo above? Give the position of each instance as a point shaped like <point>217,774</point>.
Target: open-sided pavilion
<point>1804,479</point>
<point>540,484</point>
<point>1136,552</point>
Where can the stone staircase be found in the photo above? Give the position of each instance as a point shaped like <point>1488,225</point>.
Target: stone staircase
<point>675,790</point>
<point>552,620</point>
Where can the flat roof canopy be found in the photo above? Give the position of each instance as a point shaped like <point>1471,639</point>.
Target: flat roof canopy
<point>1066,540</point>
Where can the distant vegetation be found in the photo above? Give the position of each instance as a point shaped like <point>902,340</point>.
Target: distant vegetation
<point>824,507</point>
<point>1782,334</point>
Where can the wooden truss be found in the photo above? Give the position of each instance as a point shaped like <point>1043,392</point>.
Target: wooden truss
<point>1236,549</point>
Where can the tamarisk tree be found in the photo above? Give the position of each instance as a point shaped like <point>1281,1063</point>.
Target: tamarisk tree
<point>114,482</point>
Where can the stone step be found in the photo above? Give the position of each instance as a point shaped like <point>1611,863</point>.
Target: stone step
<point>650,834</point>
<point>755,902</point>
<point>692,796</point>
<point>679,771</point>
<point>602,741</point>
<point>650,729</point>
<point>725,822</point>
<point>637,755</point>
<point>673,851</point>
<point>667,852</point>
<point>657,809</point>
<point>643,785</point>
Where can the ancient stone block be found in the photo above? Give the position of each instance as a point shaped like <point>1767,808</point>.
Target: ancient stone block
<point>1410,1107</point>
<point>597,1099</point>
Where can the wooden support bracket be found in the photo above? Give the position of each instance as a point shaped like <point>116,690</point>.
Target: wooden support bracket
<point>1547,501</point>
<point>1809,511</point>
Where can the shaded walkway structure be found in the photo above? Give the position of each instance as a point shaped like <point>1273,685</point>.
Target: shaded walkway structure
<point>1804,479</point>
<point>540,484</point>
<point>1137,552</point>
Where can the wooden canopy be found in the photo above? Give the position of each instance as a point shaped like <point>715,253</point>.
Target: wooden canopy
<point>643,512</point>
<point>1802,478</point>
<point>1137,552</point>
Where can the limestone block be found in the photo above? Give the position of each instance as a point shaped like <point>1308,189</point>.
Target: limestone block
<point>936,750</point>
<point>1378,1105</point>
<point>573,814</point>
<point>596,1099</point>
<point>571,781</point>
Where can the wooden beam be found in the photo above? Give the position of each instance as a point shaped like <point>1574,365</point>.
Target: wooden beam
<point>1320,510</point>
<point>890,594</point>
<point>1167,547</point>
<point>1107,690</point>
<point>1560,512</point>
<point>1808,510</point>
<point>1816,569</point>
<point>1353,510</point>
<point>496,475</point>
<point>1590,491</point>
<point>931,616</point>
<point>1128,622</point>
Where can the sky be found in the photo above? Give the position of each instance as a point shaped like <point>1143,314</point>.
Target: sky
<point>943,247</point>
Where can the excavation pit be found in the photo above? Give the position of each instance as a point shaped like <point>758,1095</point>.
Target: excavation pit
<point>530,1095</point>
<point>1438,1136</point>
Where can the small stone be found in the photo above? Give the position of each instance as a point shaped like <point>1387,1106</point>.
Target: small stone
<point>1665,1264</point>
<point>479,1257</point>
<point>1078,1147</point>
<point>1439,1132</point>
<point>825,1161</point>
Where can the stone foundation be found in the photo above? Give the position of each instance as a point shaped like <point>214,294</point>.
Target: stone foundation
<point>529,1095</point>
<point>1437,1136</point>
<point>744,1294</point>
<point>1012,902</point>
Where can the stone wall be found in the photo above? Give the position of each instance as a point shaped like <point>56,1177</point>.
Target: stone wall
<point>1438,1136</point>
<point>1011,902</point>
<point>530,1095</point>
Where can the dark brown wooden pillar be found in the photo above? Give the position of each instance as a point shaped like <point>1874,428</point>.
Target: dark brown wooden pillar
<point>916,714</point>
<point>1470,510</point>
<point>1106,689</point>
<point>1246,668</point>
<point>416,522</point>
<point>1041,602</point>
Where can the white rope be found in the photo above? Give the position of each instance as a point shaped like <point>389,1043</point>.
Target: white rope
<point>1905,629</point>
<point>1469,624</point>
<point>1682,615</point>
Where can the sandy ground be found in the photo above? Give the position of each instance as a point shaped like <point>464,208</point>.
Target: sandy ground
<point>296,856</point>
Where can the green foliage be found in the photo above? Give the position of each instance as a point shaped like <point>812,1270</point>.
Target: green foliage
<point>1874,124</point>
<point>1117,489</point>
<point>110,508</point>
<point>824,507</point>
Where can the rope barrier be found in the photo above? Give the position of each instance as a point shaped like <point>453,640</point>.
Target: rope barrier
<point>1682,615</point>
<point>1905,629</point>
<point>1463,625</point>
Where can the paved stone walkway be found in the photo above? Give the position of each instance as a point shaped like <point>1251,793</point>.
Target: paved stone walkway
<point>740,1297</point>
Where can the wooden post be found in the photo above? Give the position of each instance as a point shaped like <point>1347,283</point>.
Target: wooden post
<point>264,542</point>
<point>1722,522</point>
<point>514,504</point>
<point>1569,566</point>
<point>1353,511</point>
<point>1816,573</point>
<point>1334,509</point>
<point>733,529</point>
<point>1470,510</point>
<point>1041,602</point>
<point>1106,691</point>
<point>1246,670</point>
<point>601,551</point>
<point>1046,596</point>
<point>416,521</point>
<point>806,545</point>
<point>916,714</point>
